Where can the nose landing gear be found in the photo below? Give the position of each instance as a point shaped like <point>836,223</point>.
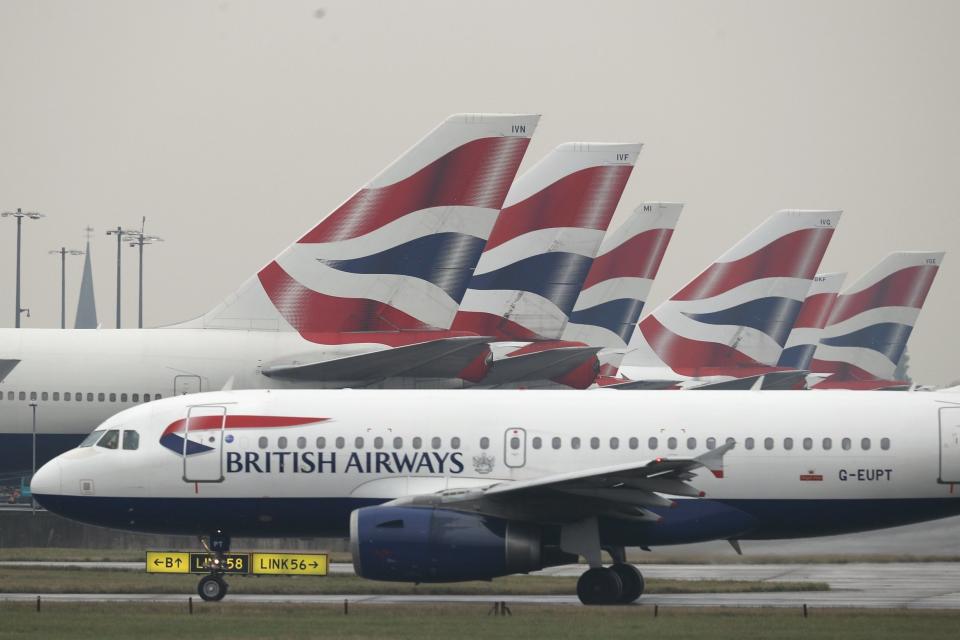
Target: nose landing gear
<point>213,587</point>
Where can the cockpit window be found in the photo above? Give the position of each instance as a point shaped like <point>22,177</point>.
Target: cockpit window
<point>131,440</point>
<point>110,440</point>
<point>91,439</point>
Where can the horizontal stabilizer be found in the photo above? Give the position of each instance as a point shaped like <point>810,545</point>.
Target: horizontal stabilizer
<point>770,381</point>
<point>377,365</point>
<point>642,385</point>
<point>539,365</point>
<point>6,366</point>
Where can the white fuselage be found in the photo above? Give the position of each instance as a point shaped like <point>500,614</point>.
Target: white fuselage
<point>861,460</point>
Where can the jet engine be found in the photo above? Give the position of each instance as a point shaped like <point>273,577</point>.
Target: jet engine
<point>421,544</point>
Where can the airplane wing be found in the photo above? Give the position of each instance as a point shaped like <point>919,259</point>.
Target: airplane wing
<point>6,366</point>
<point>621,491</point>
<point>539,365</point>
<point>446,353</point>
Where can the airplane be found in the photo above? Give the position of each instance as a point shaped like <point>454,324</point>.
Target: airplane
<point>445,485</point>
<point>619,281</point>
<point>363,298</point>
<point>805,335</point>
<point>535,262</point>
<point>871,322</point>
<point>726,328</point>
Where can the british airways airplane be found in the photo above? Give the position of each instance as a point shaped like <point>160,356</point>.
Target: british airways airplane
<point>364,297</point>
<point>444,486</point>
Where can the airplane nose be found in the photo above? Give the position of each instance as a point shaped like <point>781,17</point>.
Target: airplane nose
<point>47,480</point>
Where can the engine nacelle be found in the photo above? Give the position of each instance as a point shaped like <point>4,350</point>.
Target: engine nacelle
<point>420,544</point>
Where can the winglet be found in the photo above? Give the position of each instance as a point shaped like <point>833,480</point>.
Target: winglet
<point>713,459</point>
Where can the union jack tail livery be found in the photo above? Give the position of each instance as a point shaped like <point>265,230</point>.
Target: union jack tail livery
<point>398,254</point>
<point>619,280</point>
<point>544,241</point>
<point>734,318</point>
<point>798,352</point>
<point>872,320</point>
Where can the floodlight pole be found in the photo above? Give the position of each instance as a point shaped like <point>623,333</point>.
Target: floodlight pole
<point>63,251</point>
<point>120,232</point>
<point>139,239</point>
<point>19,214</point>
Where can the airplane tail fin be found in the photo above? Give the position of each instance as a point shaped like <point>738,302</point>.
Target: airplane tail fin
<point>739,311</point>
<point>544,241</point>
<point>398,254</point>
<point>618,283</point>
<point>872,319</point>
<point>798,351</point>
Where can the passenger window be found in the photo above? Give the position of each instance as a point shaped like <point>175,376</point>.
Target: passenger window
<point>123,397</point>
<point>321,443</point>
<point>113,397</point>
<point>10,395</point>
<point>514,443</point>
<point>398,443</point>
<point>455,442</point>
<point>110,440</point>
<point>555,443</point>
<point>44,395</point>
<point>56,396</point>
<point>157,396</point>
<point>634,443</point>
<point>66,396</point>
<point>652,444</point>
<point>23,395</point>
<point>594,443</point>
<point>78,397</point>
<point>827,444</point>
<point>101,397</point>
<point>378,443</point>
<point>808,444</point>
<point>671,443</point>
<point>711,443</point>
<point>574,443</point>
<point>33,395</point>
<point>131,440</point>
<point>89,397</point>
<point>768,443</point>
<point>282,442</point>
<point>729,441</point>
<point>340,442</point>
<point>417,442</point>
<point>537,443</point>
<point>845,443</point>
<point>262,442</point>
<point>436,444</point>
<point>146,397</point>
<point>358,443</point>
<point>484,443</point>
<point>301,443</point>
<point>691,443</point>
<point>748,444</point>
<point>885,443</point>
<point>788,443</point>
<point>865,444</point>
<point>135,398</point>
<point>614,443</point>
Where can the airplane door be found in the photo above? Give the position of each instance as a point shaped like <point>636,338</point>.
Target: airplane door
<point>203,443</point>
<point>950,444</point>
<point>515,448</point>
<point>183,385</point>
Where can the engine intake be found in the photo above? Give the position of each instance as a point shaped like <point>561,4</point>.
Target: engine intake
<point>419,544</point>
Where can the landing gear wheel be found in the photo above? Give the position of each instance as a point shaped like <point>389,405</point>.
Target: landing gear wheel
<point>212,588</point>
<point>599,586</point>
<point>632,581</point>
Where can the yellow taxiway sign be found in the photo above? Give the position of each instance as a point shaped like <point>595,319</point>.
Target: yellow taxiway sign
<point>168,562</point>
<point>289,564</point>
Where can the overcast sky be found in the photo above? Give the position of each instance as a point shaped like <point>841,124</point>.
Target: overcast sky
<point>235,126</point>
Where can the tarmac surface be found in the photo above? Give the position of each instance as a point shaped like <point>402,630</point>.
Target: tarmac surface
<point>913,585</point>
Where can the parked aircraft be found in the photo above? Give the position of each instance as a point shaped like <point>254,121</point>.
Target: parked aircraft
<point>730,322</point>
<point>360,299</point>
<point>441,486</point>
<point>871,322</point>
<point>813,316</point>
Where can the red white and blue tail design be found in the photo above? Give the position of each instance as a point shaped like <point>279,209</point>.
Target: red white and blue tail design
<point>739,312</point>
<point>619,280</point>
<point>544,242</point>
<point>873,318</point>
<point>399,253</point>
<point>807,330</point>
